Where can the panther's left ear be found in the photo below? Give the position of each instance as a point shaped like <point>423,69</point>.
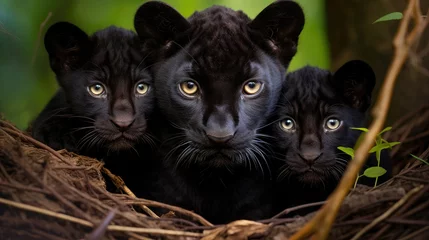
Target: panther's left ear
<point>279,26</point>
<point>354,81</point>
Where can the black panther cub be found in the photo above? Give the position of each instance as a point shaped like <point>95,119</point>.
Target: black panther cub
<point>105,97</point>
<point>219,81</point>
<point>313,117</point>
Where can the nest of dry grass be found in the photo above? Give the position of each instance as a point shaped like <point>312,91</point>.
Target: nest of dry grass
<point>47,194</point>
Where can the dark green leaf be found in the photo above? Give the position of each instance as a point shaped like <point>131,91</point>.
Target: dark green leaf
<point>374,172</point>
<point>392,144</point>
<point>383,146</point>
<point>348,151</point>
<point>414,156</point>
<point>390,16</point>
<point>385,130</point>
<point>378,156</point>
<point>360,129</point>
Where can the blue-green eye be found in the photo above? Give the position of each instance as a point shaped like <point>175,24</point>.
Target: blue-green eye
<point>332,124</point>
<point>287,124</point>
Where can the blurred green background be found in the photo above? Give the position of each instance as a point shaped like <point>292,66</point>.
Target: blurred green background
<point>27,84</point>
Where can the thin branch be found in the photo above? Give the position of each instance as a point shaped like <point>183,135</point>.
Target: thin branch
<point>39,37</point>
<point>321,223</point>
<point>292,209</point>
<point>387,213</point>
<point>114,228</point>
<point>119,183</point>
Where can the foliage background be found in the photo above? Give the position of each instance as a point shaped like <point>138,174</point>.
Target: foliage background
<point>25,87</point>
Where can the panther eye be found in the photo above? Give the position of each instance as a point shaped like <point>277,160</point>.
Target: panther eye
<point>252,87</point>
<point>332,124</point>
<point>142,88</point>
<point>96,90</point>
<point>287,124</point>
<point>189,88</point>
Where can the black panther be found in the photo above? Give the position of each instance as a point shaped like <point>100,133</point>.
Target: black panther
<point>103,106</point>
<point>314,115</point>
<point>218,81</point>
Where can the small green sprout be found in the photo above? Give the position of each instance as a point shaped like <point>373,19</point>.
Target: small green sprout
<point>421,160</point>
<point>380,144</point>
<point>389,17</point>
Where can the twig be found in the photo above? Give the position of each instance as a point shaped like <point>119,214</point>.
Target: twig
<point>46,212</point>
<point>39,36</point>
<point>86,223</point>
<point>387,213</point>
<point>185,212</point>
<point>292,209</point>
<point>36,143</point>
<point>24,188</point>
<point>415,234</point>
<point>412,179</point>
<point>98,232</point>
<point>119,183</point>
<point>321,224</point>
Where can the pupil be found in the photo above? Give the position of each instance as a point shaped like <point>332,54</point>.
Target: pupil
<point>190,85</point>
<point>251,84</point>
<point>141,86</point>
<point>97,87</point>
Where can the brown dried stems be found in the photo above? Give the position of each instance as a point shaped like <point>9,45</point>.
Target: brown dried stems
<point>321,224</point>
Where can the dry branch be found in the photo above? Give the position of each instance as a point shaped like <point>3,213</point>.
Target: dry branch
<point>321,224</point>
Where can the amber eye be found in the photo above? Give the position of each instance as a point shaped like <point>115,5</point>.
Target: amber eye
<point>96,90</point>
<point>332,124</point>
<point>189,88</point>
<point>142,88</point>
<point>252,87</point>
<point>287,124</point>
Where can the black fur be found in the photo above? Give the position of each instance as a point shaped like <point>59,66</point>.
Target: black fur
<point>214,155</point>
<point>112,124</point>
<point>308,164</point>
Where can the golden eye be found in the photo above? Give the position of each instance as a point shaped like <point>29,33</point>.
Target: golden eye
<point>287,124</point>
<point>96,90</point>
<point>252,87</point>
<point>332,124</point>
<point>142,88</point>
<point>189,88</point>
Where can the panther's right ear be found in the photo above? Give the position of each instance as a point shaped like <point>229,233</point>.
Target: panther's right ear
<point>68,47</point>
<point>158,21</point>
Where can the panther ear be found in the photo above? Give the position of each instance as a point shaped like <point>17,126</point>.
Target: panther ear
<point>354,81</point>
<point>158,21</point>
<point>280,25</point>
<point>68,47</point>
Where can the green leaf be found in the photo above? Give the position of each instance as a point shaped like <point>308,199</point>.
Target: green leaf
<point>392,144</point>
<point>382,146</point>
<point>378,140</point>
<point>378,157</point>
<point>348,151</point>
<point>384,130</point>
<point>390,16</point>
<point>360,129</point>
<point>414,156</point>
<point>374,172</point>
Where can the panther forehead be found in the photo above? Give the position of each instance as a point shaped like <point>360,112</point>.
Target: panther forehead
<point>222,38</point>
<point>118,50</point>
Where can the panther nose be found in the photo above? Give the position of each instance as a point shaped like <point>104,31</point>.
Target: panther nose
<point>122,125</point>
<point>310,157</point>
<point>219,137</point>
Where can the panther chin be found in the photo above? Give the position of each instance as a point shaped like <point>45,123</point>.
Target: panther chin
<point>311,176</point>
<point>121,142</point>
